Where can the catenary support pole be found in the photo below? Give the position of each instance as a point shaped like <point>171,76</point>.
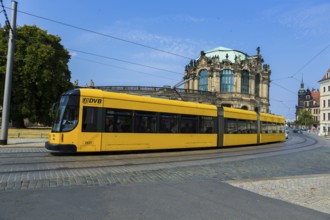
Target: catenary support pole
<point>9,73</point>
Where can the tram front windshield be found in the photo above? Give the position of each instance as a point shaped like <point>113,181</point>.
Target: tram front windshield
<point>67,114</point>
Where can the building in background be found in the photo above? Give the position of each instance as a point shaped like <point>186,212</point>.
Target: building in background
<point>237,79</point>
<point>309,100</point>
<point>325,104</point>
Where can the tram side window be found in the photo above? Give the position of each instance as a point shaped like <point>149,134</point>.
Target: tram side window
<point>207,125</point>
<point>264,127</point>
<point>281,128</point>
<point>274,128</point>
<point>253,127</point>
<point>168,123</point>
<point>89,119</point>
<point>242,127</point>
<point>145,122</point>
<point>234,126</point>
<point>268,128</point>
<point>118,120</point>
<point>188,124</point>
<point>231,126</point>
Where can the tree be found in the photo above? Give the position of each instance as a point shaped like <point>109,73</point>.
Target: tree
<point>41,73</point>
<point>305,118</point>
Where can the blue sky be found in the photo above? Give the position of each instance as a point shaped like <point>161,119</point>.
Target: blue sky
<point>293,36</point>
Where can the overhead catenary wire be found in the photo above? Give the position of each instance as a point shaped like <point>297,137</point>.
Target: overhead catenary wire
<point>314,57</point>
<point>284,88</point>
<point>306,64</point>
<point>124,61</point>
<point>113,37</point>
<point>105,35</point>
<point>153,48</point>
<point>118,67</point>
<point>6,16</point>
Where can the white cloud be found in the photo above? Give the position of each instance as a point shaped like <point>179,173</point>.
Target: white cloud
<point>180,18</point>
<point>309,19</point>
<point>73,54</point>
<point>180,46</point>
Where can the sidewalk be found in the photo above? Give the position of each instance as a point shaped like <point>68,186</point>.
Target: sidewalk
<point>312,191</point>
<point>25,142</point>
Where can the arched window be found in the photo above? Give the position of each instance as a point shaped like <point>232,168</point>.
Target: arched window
<point>226,105</point>
<point>203,80</point>
<point>245,82</point>
<point>245,107</point>
<point>226,81</point>
<point>257,86</point>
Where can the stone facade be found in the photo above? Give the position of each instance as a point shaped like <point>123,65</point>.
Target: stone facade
<point>325,104</point>
<point>237,79</point>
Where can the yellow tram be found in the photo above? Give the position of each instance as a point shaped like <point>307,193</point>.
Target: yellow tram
<point>92,120</point>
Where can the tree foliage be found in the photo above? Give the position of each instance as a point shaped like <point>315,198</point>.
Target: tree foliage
<point>41,73</point>
<point>305,118</point>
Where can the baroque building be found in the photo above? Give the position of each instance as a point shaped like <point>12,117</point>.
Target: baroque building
<point>237,79</point>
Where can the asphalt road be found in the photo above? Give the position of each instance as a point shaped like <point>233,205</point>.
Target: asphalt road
<point>210,199</point>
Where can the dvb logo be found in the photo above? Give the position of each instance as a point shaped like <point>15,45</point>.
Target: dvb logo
<point>92,101</point>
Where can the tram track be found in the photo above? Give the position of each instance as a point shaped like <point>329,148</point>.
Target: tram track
<point>125,155</point>
<point>160,159</point>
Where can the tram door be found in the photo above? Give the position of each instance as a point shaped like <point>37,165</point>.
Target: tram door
<point>90,137</point>
<point>221,126</point>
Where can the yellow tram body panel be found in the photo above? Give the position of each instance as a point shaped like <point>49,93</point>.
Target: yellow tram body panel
<point>239,114</point>
<point>239,139</point>
<point>131,141</point>
<point>272,118</point>
<point>269,138</point>
<point>142,103</point>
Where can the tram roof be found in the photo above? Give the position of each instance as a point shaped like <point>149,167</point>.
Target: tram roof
<point>136,98</point>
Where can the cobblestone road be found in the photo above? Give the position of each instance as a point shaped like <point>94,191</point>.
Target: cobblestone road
<point>308,191</point>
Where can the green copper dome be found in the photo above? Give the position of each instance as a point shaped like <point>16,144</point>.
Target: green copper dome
<point>222,52</point>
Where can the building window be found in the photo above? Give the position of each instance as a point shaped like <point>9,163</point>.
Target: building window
<point>323,89</point>
<point>328,88</point>
<point>328,116</point>
<point>226,81</point>
<point>203,80</point>
<point>328,102</point>
<point>257,86</point>
<point>323,103</point>
<point>323,116</point>
<point>245,82</point>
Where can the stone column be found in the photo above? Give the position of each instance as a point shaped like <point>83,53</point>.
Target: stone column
<point>196,83</point>
<point>237,79</point>
<point>191,84</point>
<point>251,82</point>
